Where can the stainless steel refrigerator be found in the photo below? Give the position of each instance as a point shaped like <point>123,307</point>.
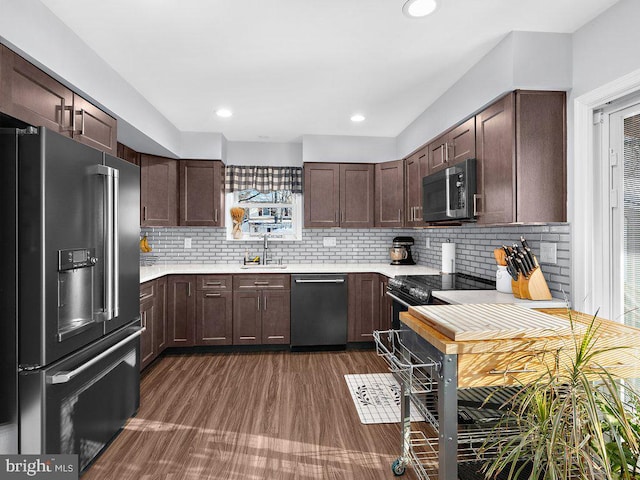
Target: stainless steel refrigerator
<point>69,283</point>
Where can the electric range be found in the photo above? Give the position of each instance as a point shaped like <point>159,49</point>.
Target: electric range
<point>411,290</point>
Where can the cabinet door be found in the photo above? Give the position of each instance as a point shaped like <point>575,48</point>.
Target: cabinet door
<point>201,193</point>
<point>276,316</point>
<point>496,159</point>
<point>214,318</point>
<point>386,305</point>
<point>356,195</point>
<point>413,185</point>
<point>246,317</point>
<point>437,157</point>
<point>181,306</point>
<point>364,306</point>
<point>158,191</point>
<point>462,141</point>
<point>321,194</point>
<point>147,314</point>
<point>160,315</point>
<point>30,95</point>
<point>541,156</point>
<point>94,127</point>
<point>128,154</point>
<point>389,209</point>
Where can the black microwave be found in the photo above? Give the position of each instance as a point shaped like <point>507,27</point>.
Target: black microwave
<point>448,194</point>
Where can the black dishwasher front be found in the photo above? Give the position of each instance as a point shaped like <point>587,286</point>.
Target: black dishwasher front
<point>318,310</point>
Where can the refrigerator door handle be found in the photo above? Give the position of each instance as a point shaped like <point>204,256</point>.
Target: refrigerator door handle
<point>115,243</point>
<point>64,377</point>
<point>109,274</point>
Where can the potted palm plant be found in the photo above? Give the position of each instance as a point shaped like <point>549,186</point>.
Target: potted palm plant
<point>575,421</point>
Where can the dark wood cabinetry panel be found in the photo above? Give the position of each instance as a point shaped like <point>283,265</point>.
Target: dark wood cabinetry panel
<point>147,315</point>
<point>201,193</point>
<point>158,191</point>
<point>276,316</point>
<point>364,306</point>
<point>496,160</point>
<point>214,318</point>
<point>454,146</point>
<point>181,305</point>
<point>437,154</point>
<point>386,304</point>
<point>128,154</point>
<point>321,194</point>
<point>160,315</point>
<point>414,171</point>
<point>94,127</point>
<point>356,195</point>
<point>541,180</point>
<point>247,321</point>
<point>389,195</point>
<point>30,95</point>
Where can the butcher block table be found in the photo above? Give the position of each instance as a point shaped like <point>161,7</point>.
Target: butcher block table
<point>491,345</point>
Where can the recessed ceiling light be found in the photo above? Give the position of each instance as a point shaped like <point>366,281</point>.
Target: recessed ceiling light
<point>224,112</point>
<point>357,118</point>
<point>419,8</point>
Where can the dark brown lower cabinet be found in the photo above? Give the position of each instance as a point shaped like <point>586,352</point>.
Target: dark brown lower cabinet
<point>386,305</point>
<point>261,317</point>
<point>364,306</point>
<point>214,318</point>
<point>153,318</point>
<point>181,309</point>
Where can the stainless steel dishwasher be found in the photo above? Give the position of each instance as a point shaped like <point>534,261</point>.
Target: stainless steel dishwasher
<point>318,310</point>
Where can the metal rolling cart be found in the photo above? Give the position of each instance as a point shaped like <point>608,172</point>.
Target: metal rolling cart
<point>428,380</point>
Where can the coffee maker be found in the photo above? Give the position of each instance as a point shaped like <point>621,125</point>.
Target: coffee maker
<point>400,251</point>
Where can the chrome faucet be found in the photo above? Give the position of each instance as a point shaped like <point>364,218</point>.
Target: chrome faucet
<point>265,250</point>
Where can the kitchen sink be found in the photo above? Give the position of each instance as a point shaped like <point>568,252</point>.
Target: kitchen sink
<point>259,266</point>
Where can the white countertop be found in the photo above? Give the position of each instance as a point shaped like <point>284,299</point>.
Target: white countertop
<point>156,271</point>
<point>455,297</point>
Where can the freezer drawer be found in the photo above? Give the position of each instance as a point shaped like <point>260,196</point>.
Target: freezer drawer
<point>78,405</point>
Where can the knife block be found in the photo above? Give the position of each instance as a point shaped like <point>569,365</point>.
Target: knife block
<point>533,288</point>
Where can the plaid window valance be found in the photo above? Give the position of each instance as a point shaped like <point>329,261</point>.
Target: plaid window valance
<point>263,179</point>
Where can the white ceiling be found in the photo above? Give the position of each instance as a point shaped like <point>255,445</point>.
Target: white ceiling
<point>287,68</point>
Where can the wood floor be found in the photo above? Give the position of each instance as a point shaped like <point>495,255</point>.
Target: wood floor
<point>251,416</point>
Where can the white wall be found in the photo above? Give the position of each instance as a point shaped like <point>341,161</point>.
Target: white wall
<point>264,153</point>
<point>520,60</point>
<point>202,145</point>
<point>348,149</point>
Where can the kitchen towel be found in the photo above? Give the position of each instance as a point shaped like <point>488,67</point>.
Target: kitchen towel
<point>448,258</point>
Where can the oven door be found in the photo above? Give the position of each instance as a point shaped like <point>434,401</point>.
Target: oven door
<point>78,405</point>
<point>399,304</point>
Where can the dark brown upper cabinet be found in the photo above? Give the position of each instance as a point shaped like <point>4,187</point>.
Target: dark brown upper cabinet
<point>158,191</point>
<point>339,195</point>
<point>521,152</point>
<point>128,154</point>
<point>389,197</point>
<point>32,96</point>
<point>454,146</point>
<point>415,168</point>
<point>201,193</point>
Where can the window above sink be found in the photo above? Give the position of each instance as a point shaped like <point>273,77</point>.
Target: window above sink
<point>277,214</point>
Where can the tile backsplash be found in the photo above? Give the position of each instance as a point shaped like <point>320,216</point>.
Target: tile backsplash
<point>474,247</point>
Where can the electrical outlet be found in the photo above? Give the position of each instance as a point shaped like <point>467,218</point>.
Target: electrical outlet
<point>548,253</point>
<point>329,241</point>
<point>427,242</point>
<point>187,243</point>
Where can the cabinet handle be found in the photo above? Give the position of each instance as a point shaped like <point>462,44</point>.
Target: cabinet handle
<point>442,160</point>
<point>258,302</point>
<point>189,289</point>
<point>211,294</point>
<point>276,337</point>
<point>265,304</point>
<point>400,214</point>
<point>144,319</point>
<point>446,152</point>
<point>213,283</point>
<point>215,216</point>
<point>82,123</point>
<point>260,283</point>
<point>144,212</point>
<point>342,216</point>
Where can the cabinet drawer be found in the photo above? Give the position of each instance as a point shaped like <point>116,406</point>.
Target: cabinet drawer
<point>147,291</point>
<point>214,282</point>
<point>503,368</point>
<point>244,282</point>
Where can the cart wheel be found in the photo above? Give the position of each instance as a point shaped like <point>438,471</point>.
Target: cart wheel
<point>397,467</point>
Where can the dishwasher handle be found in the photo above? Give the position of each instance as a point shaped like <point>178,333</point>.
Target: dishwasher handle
<point>320,280</point>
